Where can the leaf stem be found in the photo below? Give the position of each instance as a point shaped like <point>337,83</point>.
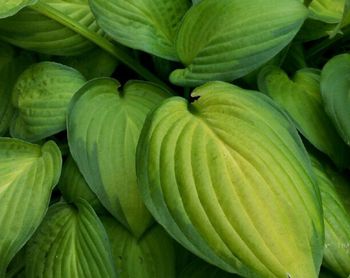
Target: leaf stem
<point>102,42</point>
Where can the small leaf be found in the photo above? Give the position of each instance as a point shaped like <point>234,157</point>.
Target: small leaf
<point>11,7</point>
<point>301,97</point>
<point>227,39</point>
<point>335,84</point>
<point>328,11</point>
<point>73,186</point>
<point>151,256</point>
<point>148,25</point>
<point>28,174</point>
<point>70,242</point>
<point>41,96</point>
<point>206,170</point>
<point>335,191</point>
<point>104,124</point>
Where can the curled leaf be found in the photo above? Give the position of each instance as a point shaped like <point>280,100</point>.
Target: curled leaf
<point>11,7</point>
<point>228,177</point>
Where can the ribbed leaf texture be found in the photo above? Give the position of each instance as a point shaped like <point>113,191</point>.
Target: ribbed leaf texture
<point>70,242</point>
<point>41,96</point>
<point>148,25</point>
<point>335,190</point>
<point>104,124</point>
<point>227,39</point>
<point>32,30</point>
<point>301,98</point>
<point>151,256</point>
<point>228,177</point>
<point>11,7</point>
<point>28,174</point>
<point>335,85</point>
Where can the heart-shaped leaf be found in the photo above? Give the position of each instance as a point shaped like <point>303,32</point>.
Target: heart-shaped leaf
<point>28,174</point>
<point>11,7</point>
<point>335,190</point>
<point>228,177</point>
<point>74,187</point>
<point>148,25</point>
<point>41,96</point>
<point>70,242</point>
<point>226,39</point>
<point>104,124</point>
<point>151,256</point>
<point>301,97</point>
<point>335,84</point>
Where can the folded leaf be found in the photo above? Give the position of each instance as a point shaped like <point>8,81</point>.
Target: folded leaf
<point>301,97</point>
<point>329,11</point>
<point>36,31</point>
<point>11,7</point>
<point>41,96</point>
<point>148,25</point>
<point>335,84</point>
<point>74,187</point>
<point>227,39</point>
<point>104,124</point>
<point>151,256</point>
<point>228,177</point>
<point>335,191</point>
<point>70,242</point>
<point>28,174</point>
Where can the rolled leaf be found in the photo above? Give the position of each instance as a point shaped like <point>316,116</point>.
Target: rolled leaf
<point>28,174</point>
<point>70,242</point>
<point>227,39</point>
<point>228,178</point>
<point>301,97</point>
<point>104,124</point>
<point>11,7</point>
<point>74,187</point>
<point>335,84</point>
<point>41,96</point>
<point>46,33</point>
<point>151,256</point>
<point>329,11</point>
<point>148,25</point>
<point>335,192</point>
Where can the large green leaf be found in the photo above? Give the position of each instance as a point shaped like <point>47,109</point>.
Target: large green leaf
<point>335,191</point>
<point>12,64</point>
<point>70,242</point>
<point>27,175</point>
<point>73,186</point>
<point>151,256</point>
<point>226,39</point>
<point>301,97</point>
<point>104,124</point>
<point>228,177</point>
<point>33,30</point>
<point>11,7</point>
<point>148,25</point>
<point>335,84</point>
<point>41,96</point>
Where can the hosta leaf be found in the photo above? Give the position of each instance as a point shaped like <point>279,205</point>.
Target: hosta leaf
<point>335,191</point>
<point>36,31</point>
<point>148,25</point>
<point>151,256</point>
<point>301,97</point>
<point>104,124</point>
<point>41,96</point>
<point>225,40</point>
<point>329,11</point>
<point>11,65</point>
<point>92,64</point>
<point>228,177</point>
<point>70,242</point>
<point>11,7</point>
<point>27,175</point>
<point>73,186</point>
<point>200,269</point>
<point>335,84</point>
